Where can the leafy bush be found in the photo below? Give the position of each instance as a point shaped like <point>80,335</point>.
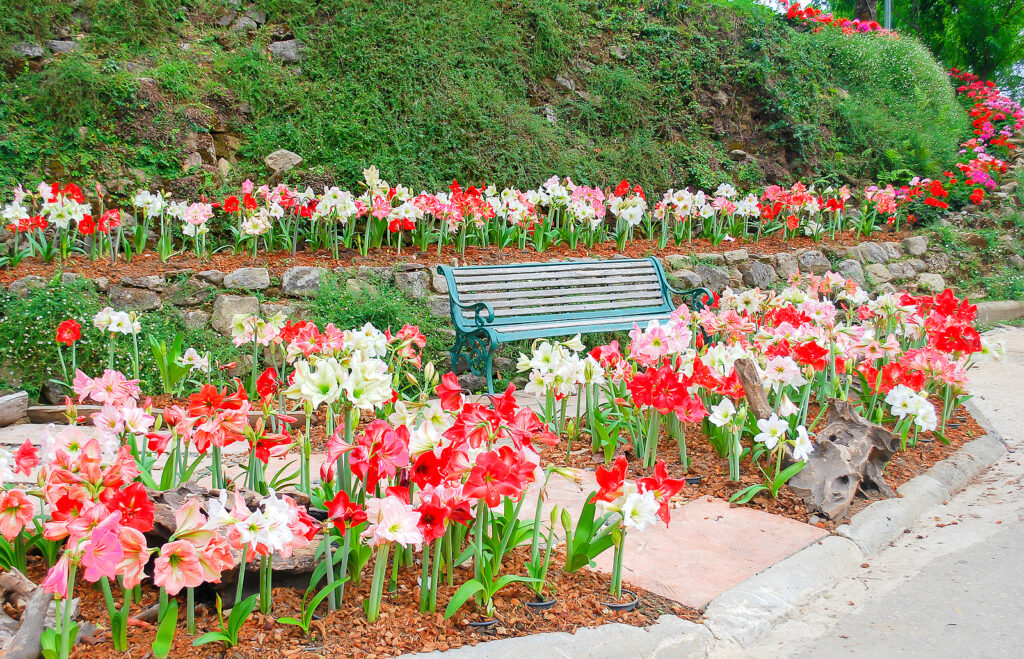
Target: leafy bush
<point>28,352</point>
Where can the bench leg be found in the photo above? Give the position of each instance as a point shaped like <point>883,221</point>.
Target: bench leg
<point>479,355</point>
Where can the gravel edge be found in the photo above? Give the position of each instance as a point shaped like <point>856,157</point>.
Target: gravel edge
<point>752,608</point>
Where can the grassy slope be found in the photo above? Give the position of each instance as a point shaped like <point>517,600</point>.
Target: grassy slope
<point>430,90</point>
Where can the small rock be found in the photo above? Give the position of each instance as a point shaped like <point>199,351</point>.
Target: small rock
<point>226,306</point>
<point>895,250</point>
<point>735,257</point>
<point>102,284</point>
<point>61,46</point>
<point>939,262</point>
<point>786,265</point>
<point>714,278</point>
<point>873,253</point>
<point>138,299</point>
<point>250,279</point>
<point>257,15</point>
<point>711,257</point>
<point>565,82</point>
<point>67,278</point>
<point>244,24</point>
<point>195,320</point>
<point>23,285</point>
<point>28,50</point>
<point>413,283</point>
<point>758,274</point>
<point>917,264</point>
<point>901,271</point>
<point>814,262</point>
<point>1016,260</point>
<point>931,282</point>
<point>738,155</point>
<point>473,382</point>
<point>155,283</point>
<point>192,160</point>
<point>720,98</point>
<point>291,50</point>
<point>684,280</point>
<point>227,19</point>
<point>379,273</point>
<point>619,52</point>
<point>676,262</point>
<point>223,167</point>
<point>915,245</point>
<point>439,306</point>
<point>549,114</point>
<point>215,277</point>
<point>877,273</point>
<point>301,281</point>
<point>439,283</point>
<point>282,160</point>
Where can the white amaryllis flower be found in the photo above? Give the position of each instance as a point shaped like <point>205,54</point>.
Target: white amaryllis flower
<point>773,430</point>
<point>318,385</point>
<point>639,511</point>
<point>368,383</point>
<point>723,413</point>
<point>802,447</point>
<point>787,408</point>
<point>368,340</point>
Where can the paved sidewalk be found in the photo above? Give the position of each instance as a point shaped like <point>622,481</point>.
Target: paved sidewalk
<point>951,586</point>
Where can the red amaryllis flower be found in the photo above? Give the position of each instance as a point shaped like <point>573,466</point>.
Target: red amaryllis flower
<point>809,353</point>
<point>664,488</point>
<point>86,225</point>
<point>135,506</point>
<point>109,220</point>
<point>68,332</point>
<point>609,481</point>
<point>268,383</point>
<point>661,388</point>
<point>450,392</point>
<point>433,515</point>
<point>230,204</point>
<point>343,513</point>
<point>494,477</point>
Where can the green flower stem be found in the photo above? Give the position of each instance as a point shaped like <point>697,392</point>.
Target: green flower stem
<point>377,587</point>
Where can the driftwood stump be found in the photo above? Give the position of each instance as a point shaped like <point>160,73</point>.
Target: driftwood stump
<point>294,570</point>
<point>849,456</point>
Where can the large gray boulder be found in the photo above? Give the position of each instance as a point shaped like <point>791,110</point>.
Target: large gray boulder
<point>915,245</point>
<point>852,269</point>
<point>714,278</point>
<point>759,274</point>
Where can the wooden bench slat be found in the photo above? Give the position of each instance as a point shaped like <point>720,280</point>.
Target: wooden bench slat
<point>518,285</point>
<point>569,304</point>
<point>601,266</point>
<point>582,322</point>
<point>614,291</point>
<point>559,309</point>
<point>520,275</point>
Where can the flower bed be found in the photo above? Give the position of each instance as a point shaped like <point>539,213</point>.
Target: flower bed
<point>414,513</point>
<point>56,221</point>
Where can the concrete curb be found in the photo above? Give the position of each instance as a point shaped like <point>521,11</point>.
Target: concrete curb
<point>668,638</point>
<point>752,608</point>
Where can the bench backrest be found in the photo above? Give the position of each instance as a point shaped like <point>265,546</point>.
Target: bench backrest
<point>530,292</point>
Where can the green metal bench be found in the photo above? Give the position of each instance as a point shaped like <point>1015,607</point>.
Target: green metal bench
<point>491,305</point>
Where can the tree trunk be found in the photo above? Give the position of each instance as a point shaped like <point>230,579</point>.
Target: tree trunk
<point>865,10</point>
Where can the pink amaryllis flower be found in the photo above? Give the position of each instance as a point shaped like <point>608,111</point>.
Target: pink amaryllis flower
<point>392,520</point>
<point>135,556</point>
<point>177,567</point>
<point>56,581</point>
<point>15,513</point>
<point>102,552</point>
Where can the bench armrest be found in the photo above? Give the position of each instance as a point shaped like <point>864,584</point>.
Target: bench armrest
<point>696,296</point>
<point>483,311</point>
